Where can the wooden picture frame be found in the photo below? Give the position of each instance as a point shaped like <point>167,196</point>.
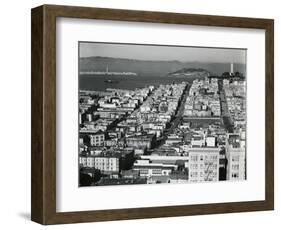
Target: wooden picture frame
<point>43,207</point>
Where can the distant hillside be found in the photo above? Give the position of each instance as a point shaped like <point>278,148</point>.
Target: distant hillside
<point>152,68</point>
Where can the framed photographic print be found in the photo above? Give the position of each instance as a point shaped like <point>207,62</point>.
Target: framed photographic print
<point>141,114</point>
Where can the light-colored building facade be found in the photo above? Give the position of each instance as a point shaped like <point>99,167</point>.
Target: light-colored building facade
<point>236,158</point>
<point>104,163</point>
<point>204,164</point>
<point>140,141</point>
<point>147,169</point>
<point>97,139</point>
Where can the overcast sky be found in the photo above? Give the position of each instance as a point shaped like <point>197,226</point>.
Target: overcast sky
<point>154,52</point>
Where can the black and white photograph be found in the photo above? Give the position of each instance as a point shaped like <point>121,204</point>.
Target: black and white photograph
<point>158,114</point>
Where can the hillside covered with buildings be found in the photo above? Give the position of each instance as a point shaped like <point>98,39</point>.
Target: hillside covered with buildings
<point>169,133</point>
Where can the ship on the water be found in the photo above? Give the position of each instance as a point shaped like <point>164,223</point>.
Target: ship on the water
<point>108,73</point>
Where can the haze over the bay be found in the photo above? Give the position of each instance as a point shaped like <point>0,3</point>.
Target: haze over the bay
<point>163,53</point>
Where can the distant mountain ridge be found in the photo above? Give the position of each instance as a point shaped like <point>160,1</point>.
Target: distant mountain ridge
<point>151,67</point>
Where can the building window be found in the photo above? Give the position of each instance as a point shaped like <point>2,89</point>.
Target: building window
<point>235,167</point>
<point>235,158</point>
<point>235,175</point>
<point>194,158</point>
<point>157,171</point>
<point>214,158</point>
<point>193,174</point>
<point>144,171</point>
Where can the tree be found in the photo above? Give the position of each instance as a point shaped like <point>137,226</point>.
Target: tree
<point>85,179</point>
<point>226,74</point>
<point>237,74</point>
<point>97,175</point>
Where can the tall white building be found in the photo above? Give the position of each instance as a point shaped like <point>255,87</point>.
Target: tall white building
<point>203,164</point>
<point>236,158</point>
